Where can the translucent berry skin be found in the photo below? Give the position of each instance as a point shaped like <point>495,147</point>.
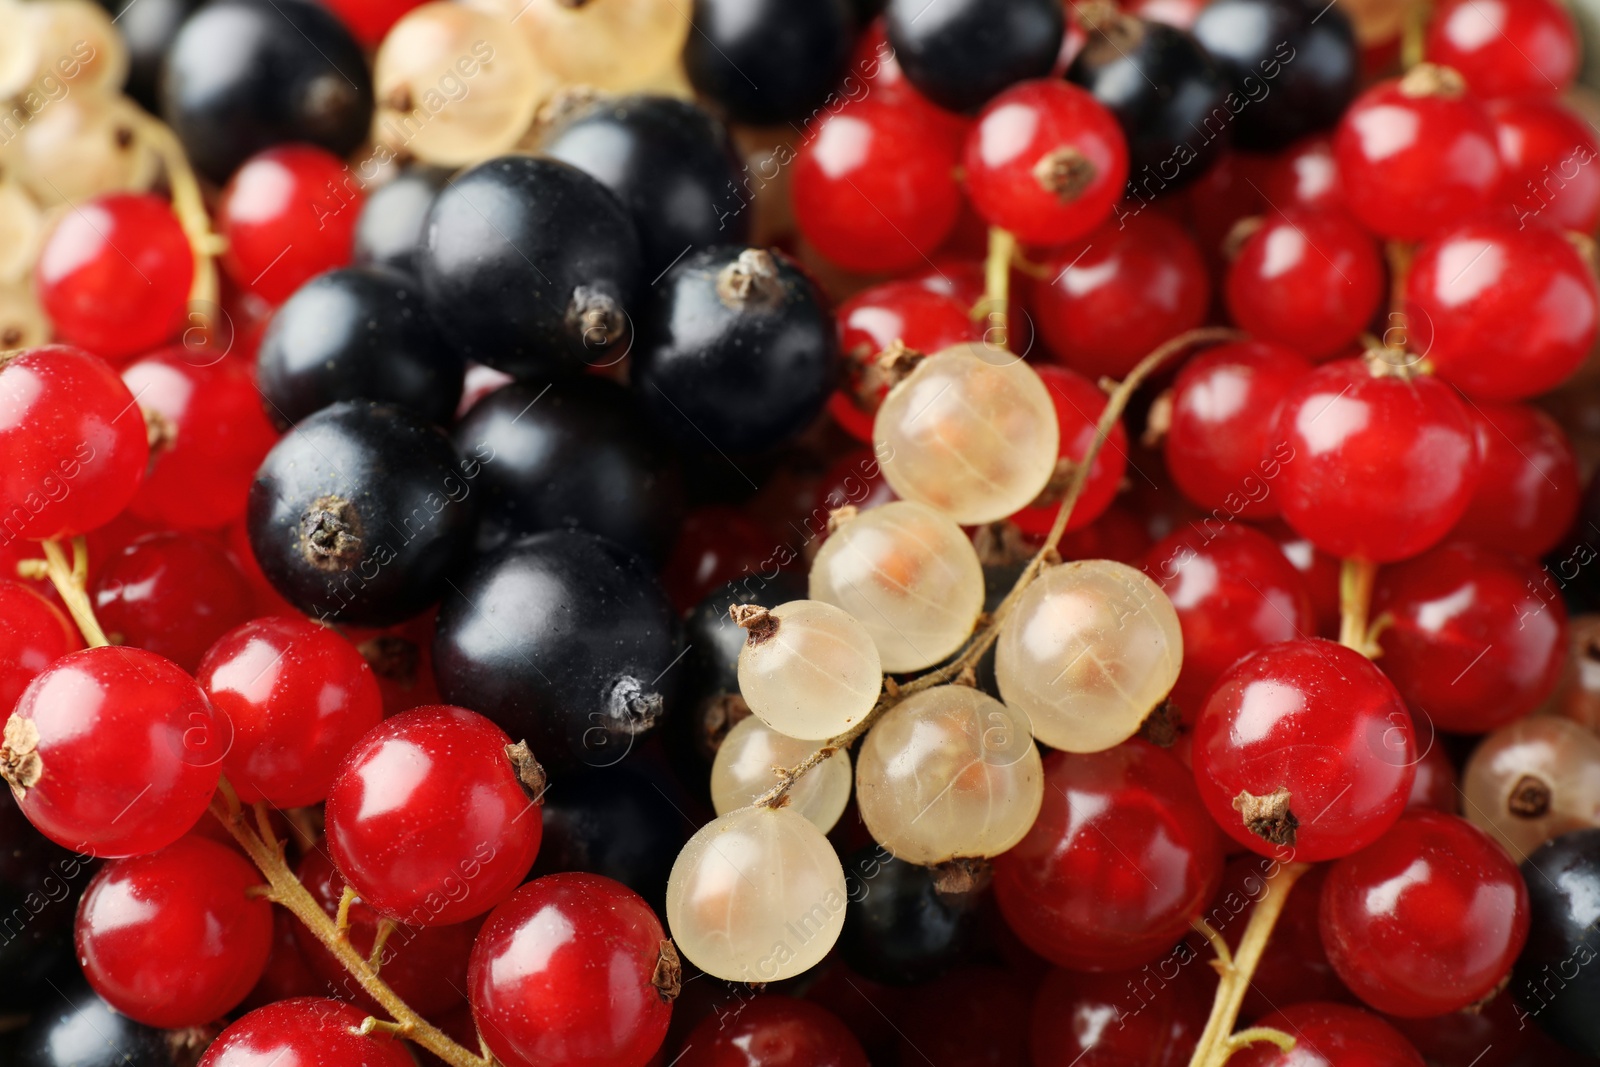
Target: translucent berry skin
<point>74,443</point>
<point>1506,47</point>
<point>561,974</point>
<point>1382,467</point>
<point>289,213</point>
<point>874,187</point>
<point>1426,920</point>
<point>1234,591</point>
<point>307,1032</point>
<point>1413,166</point>
<point>299,697</point>
<point>33,634</point>
<point>1320,721</point>
<point>1473,641</point>
<point>172,594</point>
<point>1530,487</point>
<point>211,438</point>
<point>116,304</point>
<point>1107,301</point>
<point>1009,174</point>
<point>426,818</point>
<point>1502,313</point>
<point>129,746</point>
<point>1084,1020</point>
<point>1331,1035</point>
<point>1309,280</point>
<point>1306,176</point>
<point>1119,861</point>
<point>173,939</point>
<point>1079,403</point>
<point>1219,448</point>
<point>1547,148</point>
<point>769,1030</point>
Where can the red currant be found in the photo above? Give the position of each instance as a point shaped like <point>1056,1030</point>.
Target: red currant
<point>289,213</point>
<point>1151,1016</point>
<point>114,275</point>
<point>1305,176</point>
<point>772,1031</point>
<point>286,974</point>
<point>1318,570</point>
<point>1079,403</point>
<point>299,697</point>
<point>935,1022</point>
<point>1547,148</point>
<point>1506,47</point>
<point>175,939</point>
<point>1529,493</point>
<point>1110,298</point>
<point>573,968</point>
<point>875,64</point>
<point>1116,535</point>
<point>1306,279</point>
<point>74,444</point>
<point>1502,313</point>
<point>1330,1035</point>
<point>113,751</point>
<point>370,20</point>
<point>715,545</point>
<point>1305,749</point>
<point>1416,155</point>
<point>1379,467</point>
<point>1046,161</point>
<point>33,634</point>
<point>427,819</point>
<point>305,1032</point>
<point>1121,858</point>
<point>1437,786</point>
<point>172,594</point>
<point>1426,920</point>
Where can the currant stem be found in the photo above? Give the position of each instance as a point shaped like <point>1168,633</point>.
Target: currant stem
<point>188,204</point>
<point>72,582</point>
<point>994,308</point>
<point>1356,578</point>
<point>1251,1035</point>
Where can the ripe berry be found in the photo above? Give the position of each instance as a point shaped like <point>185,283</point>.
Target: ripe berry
<point>114,302</point>
<point>799,50</point>
<point>612,823</point>
<point>898,928</point>
<point>1331,1035</point>
<point>308,1032</point>
<point>573,968</point>
<point>1304,747</point>
<point>1532,780</point>
<point>1563,879</point>
<point>1383,467</point>
<point>1530,486</point>
<point>33,634</point>
<point>389,228</point>
<point>769,1030</point>
<point>1501,312</point>
<point>960,55</point>
<point>430,819</point>
<point>1306,176</point>
<point>113,751</point>
<point>174,939</point>
<point>73,1027</point>
<point>1078,403</point>
<point>1506,47</point>
<point>370,20</point>
<point>172,594</point>
<point>298,696</point>
<point>1547,148</point>
<point>1426,920</point>
<point>288,214</point>
<point>1294,966</point>
<point>1151,1016</point>
<point>1045,161</point>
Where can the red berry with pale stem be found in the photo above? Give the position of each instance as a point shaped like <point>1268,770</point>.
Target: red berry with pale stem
<point>173,594</point>
<point>1078,403</point>
<point>305,1032</point>
<point>1330,1035</point>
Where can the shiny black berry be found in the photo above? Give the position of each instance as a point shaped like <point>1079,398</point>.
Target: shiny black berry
<point>1557,978</point>
<point>147,28</point>
<point>959,53</point>
<point>530,266</point>
<point>617,823</point>
<point>769,61</point>
<point>40,884</point>
<point>389,229</point>
<point>75,1028</point>
<point>899,928</point>
<point>357,333</point>
<point>359,514</point>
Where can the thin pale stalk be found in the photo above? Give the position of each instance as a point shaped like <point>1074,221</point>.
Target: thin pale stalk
<point>71,581</point>
<point>1356,578</point>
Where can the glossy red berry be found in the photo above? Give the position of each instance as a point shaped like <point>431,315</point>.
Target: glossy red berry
<point>288,213</point>
<point>715,545</point>
<point>113,752</point>
<point>75,446</point>
<point>1426,920</point>
<point>874,188</point>
<point>1234,592</point>
<point>1471,641</point>
<point>1309,280</point>
<point>1046,161</point>
<point>305,1032</point>
<point>370,20</point>
<point>1219,445</point>
<point>1293,967</point>
<point>1105,301</point>
<point>1382,466</point>
<point>772,1031</point>
<point>1151,1016</point>
<point>287,974</point>
<point>1330,1035</point>
<point>174,939</point>
<point>1437,786</point>
<point>1417,155</point>
<point>33,634</point>
<point>569,970</point>
<point>299,697</point>
<point>427,819</point>
<point>1530,488</point>
<point>875,64</point>
<point>1120,859</point>
<point>173,594</point>
<point>1304,749</point>
<point>1305,176</point>
<point>114,275</point>
<point>1506,47</point>
<point>1502,313</point>
<point>1079,403</point>
<point>1318,570</point>
<point>1547,148</point>
<point>210,436</point>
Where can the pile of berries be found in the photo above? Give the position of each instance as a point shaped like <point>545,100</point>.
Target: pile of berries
<point>761,533</point>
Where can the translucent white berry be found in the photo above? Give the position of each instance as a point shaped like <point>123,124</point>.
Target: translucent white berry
<point>746,767</point>
<point>808,669</point>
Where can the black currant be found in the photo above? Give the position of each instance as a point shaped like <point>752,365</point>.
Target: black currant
<point>669,161</point>
<point>736,351</point>
<point>960,53</point>
<point>40,884</point>
<point>1168,97</point>
<point>769,61</point>
<point>617,823</point>
<point>1293,66</point>
<point>529,265</point>
<point>899,928</point>
<point>359,513</point>
<point>564,639</point>
<point>572,455</point>
<point>147,28</point>
<point>1556,980</point>
<point>357,333</point>
<point>243,75</point>
<point>75,1028</point>
<point>389,229</point>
